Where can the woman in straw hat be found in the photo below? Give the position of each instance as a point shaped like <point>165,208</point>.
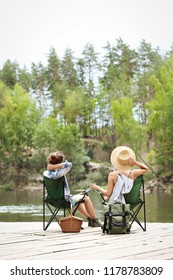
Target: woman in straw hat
<point>121,180</point>
<point>58,167</point>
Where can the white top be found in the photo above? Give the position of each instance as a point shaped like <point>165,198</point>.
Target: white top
<point>122,186</point>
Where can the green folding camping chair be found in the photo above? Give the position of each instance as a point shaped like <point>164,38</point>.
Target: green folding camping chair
<point>54,200</point>
<point>136,199</point>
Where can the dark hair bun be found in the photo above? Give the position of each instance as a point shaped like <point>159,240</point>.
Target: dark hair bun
<point>56,158</point>
<point>53,159</point>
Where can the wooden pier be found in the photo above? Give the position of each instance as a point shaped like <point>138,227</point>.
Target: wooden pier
<point>27,241</point>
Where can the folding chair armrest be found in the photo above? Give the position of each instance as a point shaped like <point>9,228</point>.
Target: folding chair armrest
<point>86,191</point>
<point>102,196</point>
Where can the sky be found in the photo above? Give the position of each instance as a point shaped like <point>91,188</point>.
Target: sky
<point>29,28</point>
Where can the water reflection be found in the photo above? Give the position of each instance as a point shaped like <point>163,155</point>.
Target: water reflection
<point>27,206</point>
<point>159,207</point>
<point>20,206</point>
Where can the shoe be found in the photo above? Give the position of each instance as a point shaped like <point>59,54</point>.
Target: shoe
<point>89,222</point>
<point>95,223</point>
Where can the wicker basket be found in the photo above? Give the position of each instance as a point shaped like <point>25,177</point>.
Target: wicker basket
<point>71,224</point>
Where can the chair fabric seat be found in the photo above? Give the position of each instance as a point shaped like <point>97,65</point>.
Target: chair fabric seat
<point>55,203</point>
<point>133,197</point>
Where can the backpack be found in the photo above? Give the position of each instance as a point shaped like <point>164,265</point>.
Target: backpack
<point>116,219</point>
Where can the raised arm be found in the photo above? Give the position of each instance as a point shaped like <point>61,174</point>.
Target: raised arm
<point>66,165</point>
<point>55,166</point>
<point>141,170</point>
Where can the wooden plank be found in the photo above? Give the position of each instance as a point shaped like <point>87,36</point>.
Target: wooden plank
<point>29,241</point>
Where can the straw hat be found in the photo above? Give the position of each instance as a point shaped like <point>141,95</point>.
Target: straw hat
<point>120,157</point>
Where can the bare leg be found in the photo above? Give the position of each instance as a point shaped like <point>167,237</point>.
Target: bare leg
<point>89,208</point>
<point>83,211</point>
<point>86,208</point>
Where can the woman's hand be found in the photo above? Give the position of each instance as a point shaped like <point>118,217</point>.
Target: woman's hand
<point>93,186</point>
<point>132,161</point>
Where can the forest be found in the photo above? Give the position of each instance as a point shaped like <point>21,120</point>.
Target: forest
<point>123,93</point>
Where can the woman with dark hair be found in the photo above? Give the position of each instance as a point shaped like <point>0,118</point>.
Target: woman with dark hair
<point>58,167</point>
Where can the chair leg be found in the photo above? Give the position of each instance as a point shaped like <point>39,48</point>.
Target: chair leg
<point>135,218</point>
<point>44,209</point>
<point>145,218</point>
<point>43,215</point>
<point>104,225</point>
<point>54,214</point>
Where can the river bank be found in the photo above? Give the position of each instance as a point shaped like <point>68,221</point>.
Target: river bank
<point>34,180</point>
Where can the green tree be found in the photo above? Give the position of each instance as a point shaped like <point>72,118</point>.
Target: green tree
<point>149,63</point>
<point>70,142</point>
<point>24,78</point>
<point>58,96</point>
<point>69,73</point>
<point>91,65</point>
<point>127,130</point>
<point>57,88</point>
<point>39,85</point>
<point>119,64</point>
<point>8,73</point>
<point>18,119</point>
<point>160,117</point>
<point>11,74</point>
<point>80,67</point>
<point>50,137</point>
<point>45,136</point>
<point>74,107</point>
<point>119,67</point>
<point>104,118</point>
<point>53,69</point>
<point>125,59</point>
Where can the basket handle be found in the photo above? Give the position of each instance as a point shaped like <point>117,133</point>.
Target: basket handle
<point>71,210</point>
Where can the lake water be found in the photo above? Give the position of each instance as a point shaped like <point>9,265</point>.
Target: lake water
<point>26,206</point>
